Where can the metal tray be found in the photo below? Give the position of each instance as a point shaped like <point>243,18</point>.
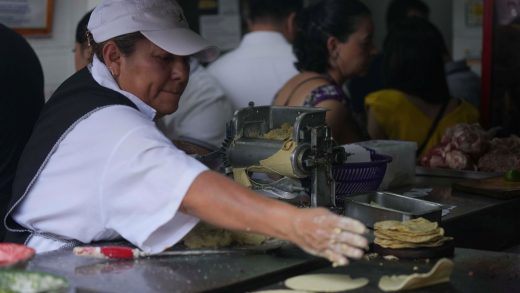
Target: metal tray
<point>373,207</point>
<point>444,172</point>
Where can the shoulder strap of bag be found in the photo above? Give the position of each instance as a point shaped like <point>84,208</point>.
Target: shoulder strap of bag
<point>433,127</point>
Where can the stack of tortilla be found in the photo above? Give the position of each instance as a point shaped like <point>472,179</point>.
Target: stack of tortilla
<point>409,234</point>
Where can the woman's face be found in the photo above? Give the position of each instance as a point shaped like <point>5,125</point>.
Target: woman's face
<point>353,57</point>
<point>155,76</point>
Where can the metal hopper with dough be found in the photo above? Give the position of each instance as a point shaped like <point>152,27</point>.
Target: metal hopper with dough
<point>283,152</point>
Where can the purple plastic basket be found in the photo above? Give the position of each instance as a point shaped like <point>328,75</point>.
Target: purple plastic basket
<point>352,178</point>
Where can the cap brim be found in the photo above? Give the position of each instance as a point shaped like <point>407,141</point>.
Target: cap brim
<point>183,42</point>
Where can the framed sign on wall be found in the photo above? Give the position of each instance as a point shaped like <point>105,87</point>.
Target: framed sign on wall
<point>28,17</point>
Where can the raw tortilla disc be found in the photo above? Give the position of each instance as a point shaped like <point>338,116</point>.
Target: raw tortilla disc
<point>280,291</point>
<point>439,273</point>
<point>325,282</point>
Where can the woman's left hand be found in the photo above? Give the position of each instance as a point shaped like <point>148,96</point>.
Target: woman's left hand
<point>323,233</point>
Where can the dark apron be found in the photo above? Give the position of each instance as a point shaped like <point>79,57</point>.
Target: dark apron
<point>76,99</point>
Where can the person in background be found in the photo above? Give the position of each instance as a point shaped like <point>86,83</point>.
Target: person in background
<point>333,43</point>
<point>263,61</point>
<point>416,105</point>
<point>22,96</point>
<point>463,83</point>
<point>82,54</point>
<point>202,115</point>
<point>399,10</point>
<point>97,168</point>
<point>360,86</point>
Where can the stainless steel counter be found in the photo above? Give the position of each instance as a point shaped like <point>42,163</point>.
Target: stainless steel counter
<point>218,273</point>
<point>476,222</point>
<point>475,271</point>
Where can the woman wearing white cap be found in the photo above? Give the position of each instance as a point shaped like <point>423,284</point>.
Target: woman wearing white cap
<point>96,167</point>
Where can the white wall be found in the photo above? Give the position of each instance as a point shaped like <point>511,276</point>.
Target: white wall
<point>467,41</point>
<point>55,51</point>
<point>440,15</point>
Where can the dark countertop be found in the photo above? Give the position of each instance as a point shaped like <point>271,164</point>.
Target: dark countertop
<point>475,271</point>
<point>477,222</point>
<point>216,273</point>
<point>466,203</point>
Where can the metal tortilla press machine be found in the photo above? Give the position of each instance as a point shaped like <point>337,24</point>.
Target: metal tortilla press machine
<point>283,152</point>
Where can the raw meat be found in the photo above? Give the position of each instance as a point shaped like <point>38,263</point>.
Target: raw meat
<point>469,147</point>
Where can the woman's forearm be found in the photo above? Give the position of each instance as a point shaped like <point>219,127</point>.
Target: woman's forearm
<point>218,200</point>
<point>221,202</point>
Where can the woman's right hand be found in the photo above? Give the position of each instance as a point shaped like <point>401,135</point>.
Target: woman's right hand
<point>323,233</point>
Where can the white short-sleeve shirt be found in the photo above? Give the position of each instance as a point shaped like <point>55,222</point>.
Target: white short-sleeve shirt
<point>256,70</point>
<point>115,175</point>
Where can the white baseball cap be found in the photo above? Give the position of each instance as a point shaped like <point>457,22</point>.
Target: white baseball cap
<point>160,21</point>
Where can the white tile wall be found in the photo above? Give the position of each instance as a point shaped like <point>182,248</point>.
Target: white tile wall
<point>467,41</point>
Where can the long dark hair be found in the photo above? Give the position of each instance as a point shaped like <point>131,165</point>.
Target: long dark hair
<point>81,29</point>
<point>414,56</point>
<point>316,23</point>
<point>400,9</point>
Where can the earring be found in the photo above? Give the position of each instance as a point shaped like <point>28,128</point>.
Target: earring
<point>89,38</point>
<point>111,71</point>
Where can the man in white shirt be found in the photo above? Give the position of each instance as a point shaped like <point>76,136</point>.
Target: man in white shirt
<point>263,61</point>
